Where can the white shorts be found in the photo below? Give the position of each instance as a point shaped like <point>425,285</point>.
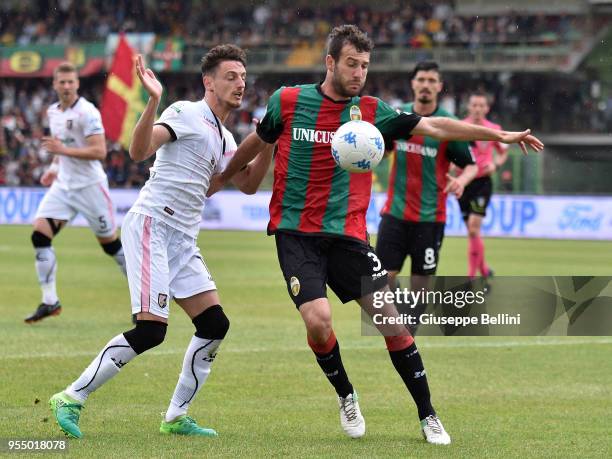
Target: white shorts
<point>93,202</point>
<point>162,263</point>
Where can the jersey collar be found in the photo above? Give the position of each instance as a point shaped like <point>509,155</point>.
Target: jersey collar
<point>342,101</point>
<point>219,128</point>
<point>425,116</point>
<point>59,105</point>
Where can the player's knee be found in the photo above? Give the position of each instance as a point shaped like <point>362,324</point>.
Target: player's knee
<point>40,240</point>
<point>211,323</point>
<point>146,335</point>
<point>111,248</point>
<point>319,327</point>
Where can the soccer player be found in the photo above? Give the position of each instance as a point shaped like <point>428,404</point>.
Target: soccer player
<point>477,194</point>
<point>318,212</point>
<point>414,215</point>
<point>159,235</point>
<point>78,184</point>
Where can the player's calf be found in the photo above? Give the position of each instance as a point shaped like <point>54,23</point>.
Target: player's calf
<point>115,355</point>
<point>211,327</point>
<point>120,350</point>
<point>408,363</point>
<point>46,268</point>
<point>115,250</point>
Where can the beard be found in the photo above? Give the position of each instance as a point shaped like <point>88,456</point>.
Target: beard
<point>342,90</point>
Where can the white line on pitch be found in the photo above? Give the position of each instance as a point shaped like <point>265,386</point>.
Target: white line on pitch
<point>425,345</point>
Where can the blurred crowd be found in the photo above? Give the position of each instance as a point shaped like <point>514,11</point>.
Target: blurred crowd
<point>522,99</point>
<point>419,24</point>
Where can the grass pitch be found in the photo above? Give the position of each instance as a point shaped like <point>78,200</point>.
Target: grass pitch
<point>498,397</point>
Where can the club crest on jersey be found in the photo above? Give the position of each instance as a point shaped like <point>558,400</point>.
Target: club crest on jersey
<point>355,113</point>
<point>162,300</point>
<point>294,283</point>
<point>68,124</point>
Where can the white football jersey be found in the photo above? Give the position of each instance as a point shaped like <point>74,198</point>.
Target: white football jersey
<point>200,147</point>
<point>72,126</point>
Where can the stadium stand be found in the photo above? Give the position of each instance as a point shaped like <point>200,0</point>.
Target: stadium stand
<point>524,57</point>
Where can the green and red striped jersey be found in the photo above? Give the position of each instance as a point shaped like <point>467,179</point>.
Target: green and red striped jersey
<point>311,194</point>
<point>418,175</point>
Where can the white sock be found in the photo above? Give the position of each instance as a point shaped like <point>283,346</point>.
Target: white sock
<point>46,267</point>
<point>196,368</point>
<point>107,364</point>
<point>120,259</point>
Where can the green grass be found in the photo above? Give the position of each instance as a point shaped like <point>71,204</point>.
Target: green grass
<point>498,397</point>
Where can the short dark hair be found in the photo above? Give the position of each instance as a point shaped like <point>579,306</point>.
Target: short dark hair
<point>426,66</point>
<point>221,53</point>
<point>351,34</point>
<point>64,67</point>
<point>481,93</point>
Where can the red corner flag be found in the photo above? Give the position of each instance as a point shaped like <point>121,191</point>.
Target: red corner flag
<point>124,98</point>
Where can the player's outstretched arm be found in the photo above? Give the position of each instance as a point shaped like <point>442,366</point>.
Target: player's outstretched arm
<point>250,177</point>
<point>146,138</point>
<point>248,149</point>
<point>443,128</point>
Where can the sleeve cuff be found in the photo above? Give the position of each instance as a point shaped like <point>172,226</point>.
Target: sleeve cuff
<point>170,130</point>
<point>267,136</point>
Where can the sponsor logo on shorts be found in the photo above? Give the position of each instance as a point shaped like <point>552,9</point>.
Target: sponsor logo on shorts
<point>162,300</point>
<point>294,283</point>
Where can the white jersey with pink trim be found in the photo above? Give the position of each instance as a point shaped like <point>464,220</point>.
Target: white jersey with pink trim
<point>483,149</point>
<point>72,126</point>
<point>200,147</point>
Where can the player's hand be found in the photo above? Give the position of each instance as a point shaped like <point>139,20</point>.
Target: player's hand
<point>454,186</point>
<point>523,139</point>
<point>48,177</point>
<point>53,145</point>
<point>490,168</point>
<point>216,183</point>
<point>148,79</point>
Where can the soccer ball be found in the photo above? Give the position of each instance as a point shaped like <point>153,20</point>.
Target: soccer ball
<point>357,146</point>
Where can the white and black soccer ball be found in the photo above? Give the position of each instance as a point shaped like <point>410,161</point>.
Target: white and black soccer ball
<point>357,146</point>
